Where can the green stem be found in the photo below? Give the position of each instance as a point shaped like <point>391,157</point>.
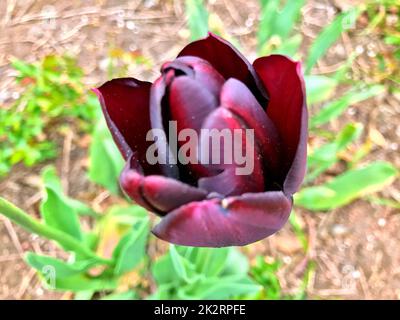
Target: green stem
<point>29,223</point>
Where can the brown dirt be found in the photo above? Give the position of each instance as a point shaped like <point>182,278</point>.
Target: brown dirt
<point>354,247</point>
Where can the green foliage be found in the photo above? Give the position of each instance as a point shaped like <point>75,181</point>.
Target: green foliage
<point>346,187</point>
<point>130,250</point>
<point>277,21</point>
<point>53,89</point>
<point>106,162</point>
<point>329,35</point>
<point>264,273</point>
<point>56,209</point>
<point>202,273</point>
<point>319,88</point>
<point>335,108</point>
<point>324,157</point>
<point>197,16</point>
<point>61,223</point>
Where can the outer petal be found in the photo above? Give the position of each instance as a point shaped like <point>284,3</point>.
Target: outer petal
<point>125,104</point>
<point>157,193</point>
<point>287,108</point>
<point>227,60</point>
<point>234,221</point>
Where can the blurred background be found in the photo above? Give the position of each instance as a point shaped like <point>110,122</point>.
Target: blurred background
<point>342,241</point>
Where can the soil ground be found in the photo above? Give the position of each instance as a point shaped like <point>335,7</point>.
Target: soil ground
<point>355,247</point>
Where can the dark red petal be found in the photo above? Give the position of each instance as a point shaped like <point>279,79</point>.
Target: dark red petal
<point>125,104</point>
<point>236,97</point>
<point>158,118</point>
<point>235,221</point>
<point>190,103</point>
<point>157,193</point>
<point>203,72</point>
<point>229,182</point>
<point>287,108</point>
<point>227,60</point>
<point>297,170</point>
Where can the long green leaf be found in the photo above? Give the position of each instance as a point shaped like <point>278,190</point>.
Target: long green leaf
<point>131,248</point>
<point>34,226</point>
<point>269,9</point>
<point>329,36</point>
<point>335,108</point>
<point>319,88</point>
<point>286,19</point>
<point>221,287</point>
<point>106,161</point>
<point>178,263</point>
<point>325,156</point>
<point>79,282</point>
<point>197,18</point>
<point>347,187</point>
<point>60,268</point>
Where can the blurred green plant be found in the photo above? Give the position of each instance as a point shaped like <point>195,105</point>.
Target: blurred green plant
<point>106,162</point>
<point>202,273</point>
<point>98,258</point>
<point>383,21</point>
<point>197,16</point>
<point>53,91</point>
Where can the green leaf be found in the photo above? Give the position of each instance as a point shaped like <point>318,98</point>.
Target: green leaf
<point>289,47</point>
<point>236,264</point>
<point>131,248</point>
<point>285,20</point>
<point>56,209</point>
<point>197,16</point>
<point>60,268</point>
<point>31,224</point>
<point>269,11</point>
<point>298,231</point>
<point>106,161</point>
<point>347,187</point>
<point>163,271</point>
<point>79,282</point>
<point>319,88</point>
<point>221,287</point>
<point>329,35</point>
<point>52,181</point>
<point>335,108</point>
<point>326,156</point>
<point>178,263</point>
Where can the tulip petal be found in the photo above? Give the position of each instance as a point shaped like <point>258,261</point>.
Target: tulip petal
<point>159,116</point>
<point>157,193</point>
<point>287,108</point>
<point>230,181</point>
<point>237,98</point>
<point>228,61</point>
<point>200,70</point>
<point>234,221</point>
<point>190,103</point>
<point>125,104</point>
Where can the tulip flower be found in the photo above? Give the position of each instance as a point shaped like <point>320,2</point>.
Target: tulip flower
<point>210,85</point>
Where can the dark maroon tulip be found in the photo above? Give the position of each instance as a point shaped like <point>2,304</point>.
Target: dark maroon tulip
<point>211,85</point>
